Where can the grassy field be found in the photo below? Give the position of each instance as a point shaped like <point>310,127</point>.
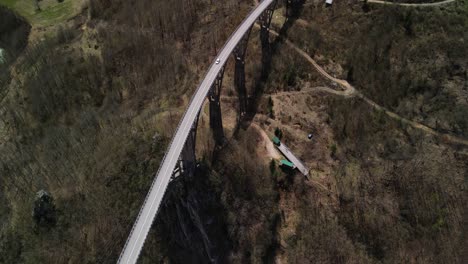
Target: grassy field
<point>52,12</point>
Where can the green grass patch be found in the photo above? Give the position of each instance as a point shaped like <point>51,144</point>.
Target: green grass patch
<point>8,3</point>
<point>51,11</point>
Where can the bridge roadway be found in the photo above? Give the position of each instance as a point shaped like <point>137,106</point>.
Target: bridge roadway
<point>150,207</point>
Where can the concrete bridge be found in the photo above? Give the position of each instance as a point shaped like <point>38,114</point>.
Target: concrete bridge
<point>180,157</point>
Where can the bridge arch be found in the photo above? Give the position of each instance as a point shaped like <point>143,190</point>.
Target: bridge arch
<point>181,150</point>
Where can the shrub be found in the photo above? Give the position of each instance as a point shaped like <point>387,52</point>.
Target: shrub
<point>44,212</point>
<point>271,112</point>
<point>278,133</point>
<point>333,149</point>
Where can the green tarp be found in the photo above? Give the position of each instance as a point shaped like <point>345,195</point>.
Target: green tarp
<point>286,163</point>
<point>276,140</point>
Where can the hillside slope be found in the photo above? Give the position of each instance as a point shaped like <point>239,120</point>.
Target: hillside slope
<point>89,111</point>
<point>85,119</point>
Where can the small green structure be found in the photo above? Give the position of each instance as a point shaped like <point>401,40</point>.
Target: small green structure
<point>287,163</point>
<point>276,141</point>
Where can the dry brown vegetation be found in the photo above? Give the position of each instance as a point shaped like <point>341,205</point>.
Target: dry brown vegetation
<point>399,192</point>
<point>13,32</point>
<point>90,112</point>
<point>13,39</point>
<point>410,60</point>
<point>84,120</point>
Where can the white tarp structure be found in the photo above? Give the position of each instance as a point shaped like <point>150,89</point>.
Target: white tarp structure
<point>2,56</point>
<point>329,2</point>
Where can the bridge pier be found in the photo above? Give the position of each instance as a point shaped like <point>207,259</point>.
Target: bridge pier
<point>287,8</point>
<point>265,21</point>
<point>187,161</point>
<point>239,72</point>
<point>216,121</point>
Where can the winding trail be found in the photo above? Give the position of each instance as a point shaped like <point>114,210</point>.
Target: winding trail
<point>350,91</point>
<point>268,144</point>
<point>411,4</point>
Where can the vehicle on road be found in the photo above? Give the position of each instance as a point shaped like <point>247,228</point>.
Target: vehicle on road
<point>218,61</point>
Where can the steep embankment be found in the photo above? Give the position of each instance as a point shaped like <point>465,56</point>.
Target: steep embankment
<point>398,188</point>
<point>14,32</point>
<point>408,60</point>
<point>88,119</point>
<point>350,91</point>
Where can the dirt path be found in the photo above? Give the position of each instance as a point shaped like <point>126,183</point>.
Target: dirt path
<point>308,90</point>
<point>411,4</point>
<point>350,91</point>
<point>269,148</point>
<point>273,153</point>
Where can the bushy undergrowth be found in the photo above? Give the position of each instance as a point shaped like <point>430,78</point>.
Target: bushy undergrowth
<point>400,195</point>
<point>84,126</point>
<point>67,136</point>
<point>410,60</point>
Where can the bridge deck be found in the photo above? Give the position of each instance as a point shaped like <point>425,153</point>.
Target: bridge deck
<point>150,207</point>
